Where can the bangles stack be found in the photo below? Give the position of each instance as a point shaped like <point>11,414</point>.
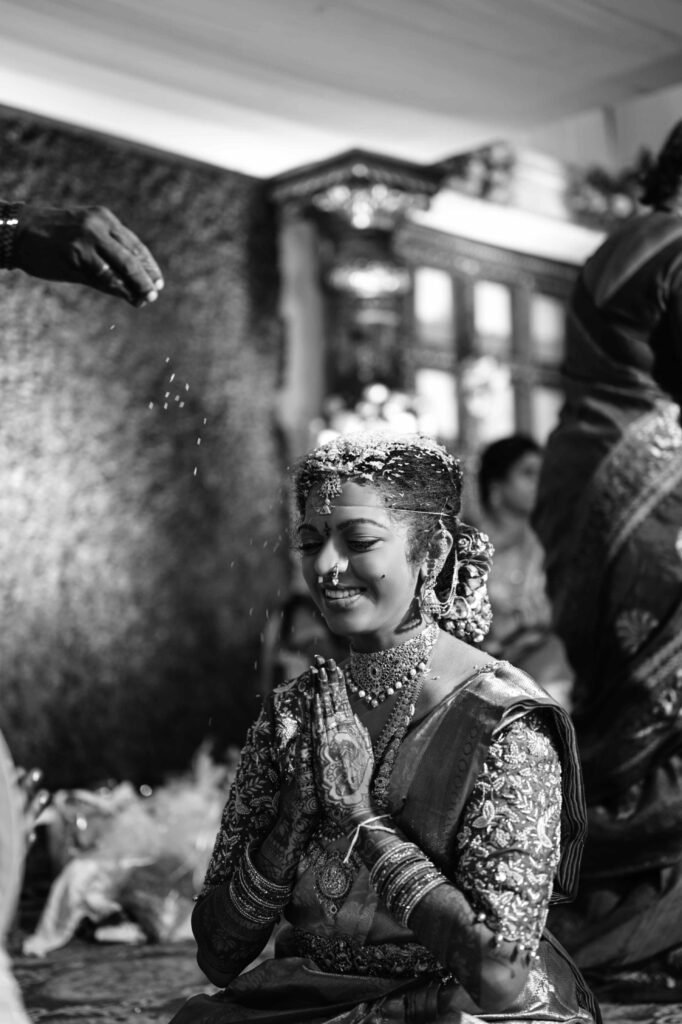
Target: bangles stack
<point>402,876</point>
<point>254,896</point>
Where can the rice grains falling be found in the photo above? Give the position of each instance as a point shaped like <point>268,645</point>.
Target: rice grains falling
<point>178,401</point>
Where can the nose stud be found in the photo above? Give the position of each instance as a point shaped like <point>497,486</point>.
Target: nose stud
<point>333,576</point>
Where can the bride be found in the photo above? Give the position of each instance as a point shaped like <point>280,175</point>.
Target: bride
<point>405,819</point>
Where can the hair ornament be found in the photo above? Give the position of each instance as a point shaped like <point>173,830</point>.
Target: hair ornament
<point>416,475</point>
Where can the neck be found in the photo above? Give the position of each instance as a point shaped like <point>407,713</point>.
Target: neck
<point>369,643</point>
<point>506,525</point>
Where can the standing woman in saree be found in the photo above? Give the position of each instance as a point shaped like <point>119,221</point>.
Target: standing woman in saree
<point>406,817</point>
<point>609,515</point>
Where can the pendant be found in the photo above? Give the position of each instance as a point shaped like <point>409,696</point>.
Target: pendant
<point>332,876</point>
<point>333,880</point>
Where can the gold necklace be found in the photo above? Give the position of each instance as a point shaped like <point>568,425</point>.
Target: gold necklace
<point>333,873</point>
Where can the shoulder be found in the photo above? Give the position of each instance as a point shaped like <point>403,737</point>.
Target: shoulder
<point>505,685</point>
<point>530,737</point>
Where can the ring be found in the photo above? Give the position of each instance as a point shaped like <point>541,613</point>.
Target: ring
<point>104,269</point>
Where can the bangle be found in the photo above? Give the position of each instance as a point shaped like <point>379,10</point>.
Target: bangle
<point>402,876</point>
<point>9,222</point>
<point>254,896</point>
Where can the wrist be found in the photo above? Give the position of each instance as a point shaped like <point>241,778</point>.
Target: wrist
<point>9,232</point>
<point>358,815</point>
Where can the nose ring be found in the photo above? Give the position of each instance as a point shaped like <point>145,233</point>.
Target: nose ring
<point>333,576</point>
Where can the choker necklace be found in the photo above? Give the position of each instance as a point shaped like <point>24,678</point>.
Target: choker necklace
<point>378,675</point>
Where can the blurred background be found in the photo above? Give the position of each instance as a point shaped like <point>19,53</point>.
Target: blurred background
<point>368,213</point>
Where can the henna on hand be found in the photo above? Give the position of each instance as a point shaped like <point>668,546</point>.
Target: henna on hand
<point>298,815</point>
<point>345,759</point>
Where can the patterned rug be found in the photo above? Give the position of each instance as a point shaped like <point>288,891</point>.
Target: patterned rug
<point>92,983</point>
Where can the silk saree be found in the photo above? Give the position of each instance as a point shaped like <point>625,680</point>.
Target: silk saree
<point>354,964</point>
<point>609,515</point>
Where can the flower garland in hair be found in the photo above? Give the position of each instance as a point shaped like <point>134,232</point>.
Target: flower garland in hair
<point>468,614</point>
<point>368,457</point>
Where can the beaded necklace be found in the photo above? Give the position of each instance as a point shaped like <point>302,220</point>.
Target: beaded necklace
<point>379,674</point>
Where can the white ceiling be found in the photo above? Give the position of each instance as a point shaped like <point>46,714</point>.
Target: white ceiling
<point>262,86</point>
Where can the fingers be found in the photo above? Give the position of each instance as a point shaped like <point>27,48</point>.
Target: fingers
<point>331,677</point>
<point>135,264</point>
<point>119,262</point>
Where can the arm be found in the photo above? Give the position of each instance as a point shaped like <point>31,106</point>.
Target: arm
<point>226,941</point>
<point>508,853</point>
<point>485,924</point>
<point>266,825</point>
<point>85,245</point>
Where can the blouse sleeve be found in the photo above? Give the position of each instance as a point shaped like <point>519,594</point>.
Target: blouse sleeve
<point>251,806</point>
<point>509,846</point>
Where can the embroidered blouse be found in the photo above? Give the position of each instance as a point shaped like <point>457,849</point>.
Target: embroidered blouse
<point>508,845</point>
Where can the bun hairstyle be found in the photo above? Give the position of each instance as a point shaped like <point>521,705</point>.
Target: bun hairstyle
<point>421,484</point>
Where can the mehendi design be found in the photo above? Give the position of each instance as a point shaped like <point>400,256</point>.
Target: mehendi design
<point>344,767</point>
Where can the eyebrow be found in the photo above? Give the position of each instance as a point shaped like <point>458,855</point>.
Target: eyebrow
<point>346,524</point>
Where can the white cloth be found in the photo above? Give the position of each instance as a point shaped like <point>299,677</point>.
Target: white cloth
<point>11,1006</point>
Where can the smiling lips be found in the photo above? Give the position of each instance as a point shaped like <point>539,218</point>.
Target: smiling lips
<point>336,594</point>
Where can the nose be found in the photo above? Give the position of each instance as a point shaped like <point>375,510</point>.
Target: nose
<point>329,559</point>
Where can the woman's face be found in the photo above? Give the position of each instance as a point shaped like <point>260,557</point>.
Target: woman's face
<point>376,582</point>
<point>518,491</point>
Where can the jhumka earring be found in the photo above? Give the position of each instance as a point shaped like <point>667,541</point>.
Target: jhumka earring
<point>428,601</point>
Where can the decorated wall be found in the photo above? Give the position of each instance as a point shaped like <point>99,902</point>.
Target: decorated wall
<point>140,519</point>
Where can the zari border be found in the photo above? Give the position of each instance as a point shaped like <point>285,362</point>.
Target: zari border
<point>642,468</point>
<point>341,955</point>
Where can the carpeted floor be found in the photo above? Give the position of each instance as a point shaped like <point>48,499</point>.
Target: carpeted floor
<point>92,983</point>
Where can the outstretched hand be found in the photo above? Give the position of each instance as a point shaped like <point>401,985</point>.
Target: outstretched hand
<point>86,245</point>
<point>344,759</point>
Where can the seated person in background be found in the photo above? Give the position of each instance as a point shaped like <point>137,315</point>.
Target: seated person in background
<point>521,630</point>
<point>411,813</point>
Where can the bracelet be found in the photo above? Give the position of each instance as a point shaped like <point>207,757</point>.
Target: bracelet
<point>254,896</point>
<point>260,881</point>
<point>9,222</point>
<point>390,860</point>
<point>402,876</point>
<point>405,910</point>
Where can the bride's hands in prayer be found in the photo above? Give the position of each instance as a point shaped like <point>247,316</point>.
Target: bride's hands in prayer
<point>297,815</point>
<point>344,759</point>
<point>299,807</point>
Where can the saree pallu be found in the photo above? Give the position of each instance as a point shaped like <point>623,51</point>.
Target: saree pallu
<point>610,517</point>
<point>364,967</point>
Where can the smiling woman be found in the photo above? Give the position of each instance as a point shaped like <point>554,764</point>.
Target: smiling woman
<point>408,816</point>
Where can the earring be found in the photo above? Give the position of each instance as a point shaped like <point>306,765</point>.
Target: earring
<point>428,600</point>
